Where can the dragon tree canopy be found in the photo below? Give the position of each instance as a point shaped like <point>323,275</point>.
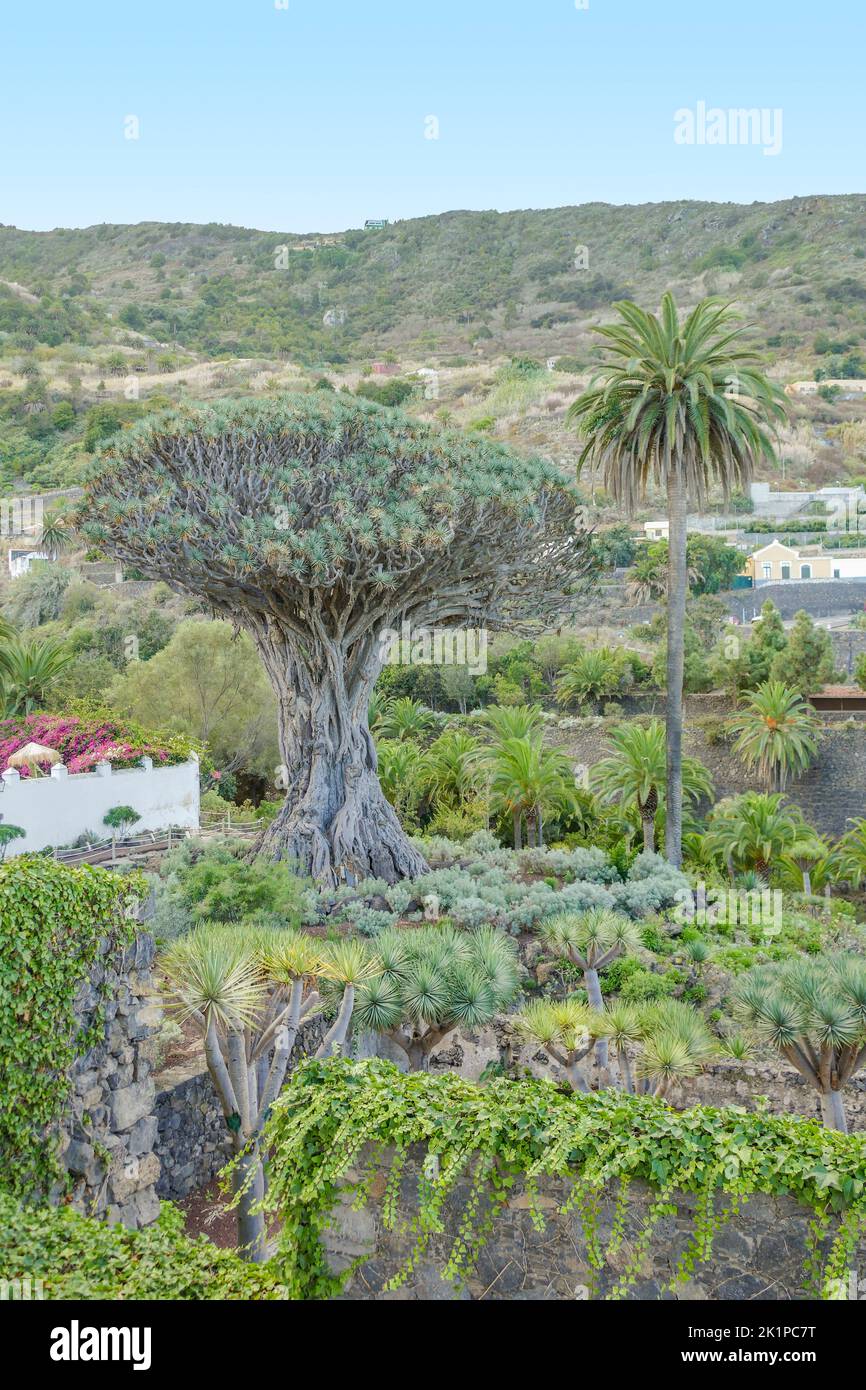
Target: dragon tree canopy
<point>317,522</point>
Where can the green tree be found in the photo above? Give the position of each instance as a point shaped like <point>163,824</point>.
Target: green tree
<point>636,773</point>
<point>317,522</point>
<point>528,781</point>
<point>754,830</point>
<point>777,733</point>
<point>207,682</point>
<point>685,405</point>
<point>29,667</point>
<point>248,992</point>
<point>591,941</point>
<point>432,980</point>
<point>806,662</point>
<point>814,1013</point>
<point>594,674</point>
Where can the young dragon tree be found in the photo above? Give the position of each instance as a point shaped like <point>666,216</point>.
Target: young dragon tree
<point>655,1045</point>
<point>814,1013</point>
<point>433,980</point>
<point>591,941</point>
<point>249,991</point>
<point>320,524</point>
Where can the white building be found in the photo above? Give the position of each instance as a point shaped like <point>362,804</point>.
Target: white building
<point>21,560</point>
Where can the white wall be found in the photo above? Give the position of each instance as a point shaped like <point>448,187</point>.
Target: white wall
<point>55,810</point>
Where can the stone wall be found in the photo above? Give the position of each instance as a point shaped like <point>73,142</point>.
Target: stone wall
<point>192,1144</point>
<point>829,794</point>
<point>760,1254</point>
<point>110,1130</point>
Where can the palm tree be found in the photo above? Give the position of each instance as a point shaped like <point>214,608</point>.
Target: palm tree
<point>850,854</point>
<point>529,780</point>
<point>403,718</point>
<point>28,667</point>
<point>451,771</point>
<point>684,405</point>
<point>56,535</point>
<point>637,772</point>
<point>814,1013</point>
<point>752,831</point>
<point>777,733</point>
<point>512,721</point>
<point>594,673</point>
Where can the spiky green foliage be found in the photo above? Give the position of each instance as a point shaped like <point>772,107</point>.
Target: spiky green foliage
<point>849,855</point>
<point>751,831</point>
<point>529,782</point>
<point>689,397</point>
<point>812,1011</point>
<point>777,733</point>
<point>29,666</point>
<point>595,673</point>
<point>654,1045</point>
<point>636,772</point>
<point>249,990</point>
<point>433,979</point>
<point>403,718</point>
<point>302,494</point>
<point>591,940</point>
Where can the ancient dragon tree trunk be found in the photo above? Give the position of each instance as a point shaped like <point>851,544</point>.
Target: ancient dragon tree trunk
<point>335,817</point>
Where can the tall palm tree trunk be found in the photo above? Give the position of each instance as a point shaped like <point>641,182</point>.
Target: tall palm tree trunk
<point>677,584</point>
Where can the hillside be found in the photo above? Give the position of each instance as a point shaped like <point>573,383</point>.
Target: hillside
<point>99,324</point>
<point>433,284</point>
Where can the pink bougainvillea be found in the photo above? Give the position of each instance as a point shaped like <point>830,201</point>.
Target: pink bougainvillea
<point>81,743</point>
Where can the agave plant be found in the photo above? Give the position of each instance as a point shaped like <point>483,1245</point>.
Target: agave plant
<point>431,980</point>
<point>249,990</point>
<point>814,1013</point>
<point>590,940</point>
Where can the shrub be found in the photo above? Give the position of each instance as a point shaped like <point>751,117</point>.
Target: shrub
<point>79,1258</point>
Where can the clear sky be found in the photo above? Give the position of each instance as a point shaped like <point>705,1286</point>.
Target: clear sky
<point>313,116</point>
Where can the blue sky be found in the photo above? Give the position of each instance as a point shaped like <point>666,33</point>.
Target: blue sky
<point>312,117</point>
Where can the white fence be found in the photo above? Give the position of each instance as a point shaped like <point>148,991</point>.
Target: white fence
<point>55,810</point>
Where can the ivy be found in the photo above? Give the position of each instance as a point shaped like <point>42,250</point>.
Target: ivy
<point>337,1114</point>
<point>55,921</point>
<point>76,1257</point>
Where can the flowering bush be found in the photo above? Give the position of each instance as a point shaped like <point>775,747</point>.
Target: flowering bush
<point>84,742</point>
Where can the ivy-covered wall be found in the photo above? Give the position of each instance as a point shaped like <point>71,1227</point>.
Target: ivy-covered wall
<point>761,1253</point>
<point>75,1090</point>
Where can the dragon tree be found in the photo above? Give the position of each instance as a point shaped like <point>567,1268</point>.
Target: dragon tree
<point>319,524</point>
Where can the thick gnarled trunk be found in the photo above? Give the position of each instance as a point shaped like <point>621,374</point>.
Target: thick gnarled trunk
<point>335,821</point>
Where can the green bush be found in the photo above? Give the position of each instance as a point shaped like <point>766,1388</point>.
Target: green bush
<point>77,1257</point>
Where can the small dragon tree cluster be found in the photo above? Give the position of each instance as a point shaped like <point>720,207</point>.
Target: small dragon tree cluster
<point>320,524</point>
<point>814,1013</point>
<point>671,1040</point>
<point>432,980</point>
<point>591,941</point>
<point>249,990</point>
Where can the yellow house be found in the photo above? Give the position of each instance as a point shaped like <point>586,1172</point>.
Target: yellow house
<point>777,561</point>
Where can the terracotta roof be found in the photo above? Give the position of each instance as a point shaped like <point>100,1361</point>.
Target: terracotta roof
<point>840,692</point>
